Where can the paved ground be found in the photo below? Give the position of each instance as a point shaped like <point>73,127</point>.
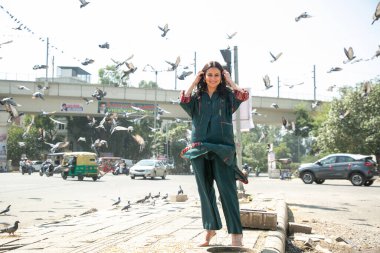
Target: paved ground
<point>162,227</point>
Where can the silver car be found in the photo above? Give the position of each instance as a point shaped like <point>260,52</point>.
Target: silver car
<point>148,168</point>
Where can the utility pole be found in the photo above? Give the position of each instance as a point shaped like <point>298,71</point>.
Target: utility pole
<point>315,84</point>
<point>278,86</point>
<point>47,61</point>
<point>195,63</point>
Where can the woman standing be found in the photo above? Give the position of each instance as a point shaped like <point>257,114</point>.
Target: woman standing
<point>210,101</point>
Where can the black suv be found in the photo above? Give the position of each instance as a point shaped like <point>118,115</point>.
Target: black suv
<point>359,169</point>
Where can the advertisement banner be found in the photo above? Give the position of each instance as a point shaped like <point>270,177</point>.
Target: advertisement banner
<point>123,107</point>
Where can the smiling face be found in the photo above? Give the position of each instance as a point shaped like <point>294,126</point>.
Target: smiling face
<point>213,78</point>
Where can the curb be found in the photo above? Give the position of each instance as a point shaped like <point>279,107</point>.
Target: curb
<point>275,240</point>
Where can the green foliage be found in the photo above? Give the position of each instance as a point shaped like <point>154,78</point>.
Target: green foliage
<point>111,76</point>
<point>357,132</point>
<point>147,85</point>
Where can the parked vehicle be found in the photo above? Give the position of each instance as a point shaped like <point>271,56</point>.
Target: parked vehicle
<point>359,169</point>
<point>148,168</point>
<point>36,164</point>
<point>108,163</point>
<point>80,164</point>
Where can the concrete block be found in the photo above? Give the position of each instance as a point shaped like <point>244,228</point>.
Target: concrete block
<point>299,228</point>
<point>258,219</point>
<point>178,198</point>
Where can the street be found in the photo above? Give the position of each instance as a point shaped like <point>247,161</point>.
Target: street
<point>35,199</point>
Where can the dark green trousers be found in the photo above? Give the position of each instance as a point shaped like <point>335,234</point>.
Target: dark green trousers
<point>208,169</point>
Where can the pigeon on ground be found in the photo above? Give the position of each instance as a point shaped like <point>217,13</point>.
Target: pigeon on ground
<point>267,82</point>
<point>275,58</point>
<point>140,201</point>
<point>175,64</point>
<point>376,15</point>
<point>164,30</point>
<point>127,206</point>
<point>10,230</point>
<point>83,3</point>
<point>303,15</point>
<point>350,54</point>
<point>166,196</point>
<point>148,196</point>
<point>230,36</point>
<point>156,196</point>
<point>6,210</point>
<point>180,191</point>
<point>117,202</point>
<point>334,69</point>
<point>105,45</point>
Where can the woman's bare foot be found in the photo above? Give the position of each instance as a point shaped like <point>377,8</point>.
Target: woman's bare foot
<point>209,235</point>
<point>237,239</point>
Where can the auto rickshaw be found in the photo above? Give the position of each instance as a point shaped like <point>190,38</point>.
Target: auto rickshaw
<point>80,164</point>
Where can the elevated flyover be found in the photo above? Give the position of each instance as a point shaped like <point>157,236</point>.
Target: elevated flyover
<point>120,99</point>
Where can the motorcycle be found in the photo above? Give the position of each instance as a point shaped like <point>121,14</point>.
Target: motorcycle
<point>47,168</point>
<point>26,167</point>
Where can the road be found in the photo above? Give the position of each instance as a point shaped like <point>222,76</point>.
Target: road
<point>37,199</point>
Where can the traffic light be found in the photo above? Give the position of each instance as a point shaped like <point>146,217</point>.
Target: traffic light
<point>226,53</point>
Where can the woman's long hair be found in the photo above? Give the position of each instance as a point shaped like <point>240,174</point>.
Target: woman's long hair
<point>202,85</point>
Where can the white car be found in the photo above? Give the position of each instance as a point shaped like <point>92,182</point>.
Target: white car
<point>148,168</point>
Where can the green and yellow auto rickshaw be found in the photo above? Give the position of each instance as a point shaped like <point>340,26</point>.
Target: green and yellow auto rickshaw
<point>80,164</point>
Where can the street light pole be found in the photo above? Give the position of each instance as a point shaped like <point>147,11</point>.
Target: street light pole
<point>155,102</point>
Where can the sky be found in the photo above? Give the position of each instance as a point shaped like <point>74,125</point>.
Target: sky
<point>198,30</point>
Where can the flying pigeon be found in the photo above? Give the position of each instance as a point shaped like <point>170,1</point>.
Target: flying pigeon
<point>57,145</point>
<point>8,101</point>
<point>184,74</point>
<point>230,36</point>
<point>121,128</point>
<point>331,87</point>
<point>35,67</point>
<point>13,113</point>
<point>267,82</point>
<point>117,202</point>
<point>275,58</point>
<point>105,45</point>
<point>164,30</point>
<point>342,114</point>
<point>180,191</point>
<point>334,69</point>
<point>10,230</point>
<point>83,3</point>
<point>292,85</point>
<point>174,101</point>
<point>137,108</point>
<point>376,15</point>
<point>174,65</point>
<point>6,210</point>
<point>303,15</point>
<point>366,89</point>
<point>88,101</point>
<point>81,139</point>
<point>131,69</point>
<point>139,141</point>
<point>118,64</point>
<point>22,87</point>
<point>274,105</point>
<point>161,110</point>
<point>38,94</point>
<point>40,87</point>
<point>99,94</point>
<point>45,113</point>
<point>7,42</point>
<point>87,61</point>
<point>377,53</point>
<point>315,104</point>
<point>57,121</point>
<point>350,54</point>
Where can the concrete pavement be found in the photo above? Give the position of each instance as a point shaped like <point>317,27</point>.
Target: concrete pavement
<point>161,226</point>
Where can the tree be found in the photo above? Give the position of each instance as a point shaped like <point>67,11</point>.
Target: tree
<point>112,76</point>
<point>352,123</point>
<point>147,85</point>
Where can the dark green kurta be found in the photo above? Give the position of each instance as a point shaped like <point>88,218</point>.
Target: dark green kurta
<point>213,157</point>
